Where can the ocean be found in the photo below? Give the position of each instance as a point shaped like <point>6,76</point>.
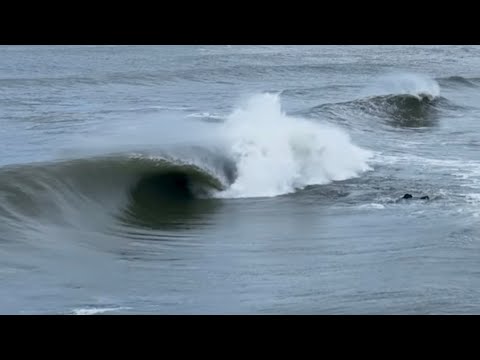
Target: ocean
<point>239,179</point>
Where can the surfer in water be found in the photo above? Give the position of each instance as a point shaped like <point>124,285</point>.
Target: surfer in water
<point>410,197</point>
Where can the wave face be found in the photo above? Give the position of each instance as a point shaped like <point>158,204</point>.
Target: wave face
<point>68,191</point>
<point>401,110</point>
<point>259,151</point>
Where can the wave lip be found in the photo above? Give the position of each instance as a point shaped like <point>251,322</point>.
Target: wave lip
<point>420,86</point>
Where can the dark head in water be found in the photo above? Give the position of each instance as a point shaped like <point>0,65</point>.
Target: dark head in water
<point>410,197</point>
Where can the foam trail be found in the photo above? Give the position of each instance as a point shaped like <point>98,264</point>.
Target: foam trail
<point>276,154</point>
<point>404,84</point>
<point>95,311</point>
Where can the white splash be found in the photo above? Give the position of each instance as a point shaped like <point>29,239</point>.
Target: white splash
<point>277,154</point>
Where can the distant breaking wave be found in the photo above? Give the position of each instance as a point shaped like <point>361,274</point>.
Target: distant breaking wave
<point>456,81</point>
<point>404,100</point>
